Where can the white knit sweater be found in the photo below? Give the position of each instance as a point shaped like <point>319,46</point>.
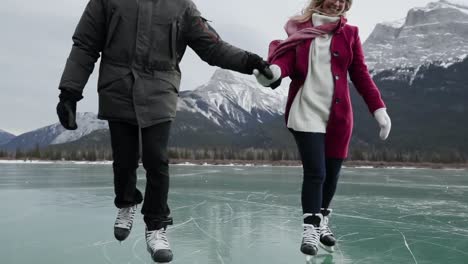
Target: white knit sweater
<point>311,106</point>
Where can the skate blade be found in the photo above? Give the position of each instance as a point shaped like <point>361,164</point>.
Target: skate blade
<point>327,248</point>
<point>309,258</point>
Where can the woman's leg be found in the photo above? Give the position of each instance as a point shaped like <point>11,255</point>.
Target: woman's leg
<point>312,150</point>
<point>327,239</point>
<point>329,186</point>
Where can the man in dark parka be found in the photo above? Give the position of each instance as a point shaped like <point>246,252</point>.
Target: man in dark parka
<point>141,43</point>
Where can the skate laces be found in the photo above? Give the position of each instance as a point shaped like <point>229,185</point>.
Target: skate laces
<point>325,229</point>
<point>157,239</point>
<point>125,217</point>
<point>311,234</point>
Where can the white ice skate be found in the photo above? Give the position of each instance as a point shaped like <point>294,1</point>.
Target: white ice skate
<point>327,239</point>
<point>311,235</point>
<point>158,245</point>
<point>124,222</point>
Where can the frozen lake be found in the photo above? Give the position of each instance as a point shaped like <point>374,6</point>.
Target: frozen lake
<point>63,213</point>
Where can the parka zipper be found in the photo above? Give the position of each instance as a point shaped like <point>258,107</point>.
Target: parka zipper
<point>174,26</point>
<point>112,28</point>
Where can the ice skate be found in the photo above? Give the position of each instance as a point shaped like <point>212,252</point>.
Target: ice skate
<point>311,235</point>
<point>158,245</point>
<point>327,239</point>
<point>124,222</point>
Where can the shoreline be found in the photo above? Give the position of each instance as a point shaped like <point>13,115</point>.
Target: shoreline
<point>346,164</point>
<point>281,163</point>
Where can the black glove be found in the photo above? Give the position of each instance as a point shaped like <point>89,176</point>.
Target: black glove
<point>256,62</point>
<point>66,109</point>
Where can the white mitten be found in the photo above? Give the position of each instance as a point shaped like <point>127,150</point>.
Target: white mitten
<point>384,121</point>
<point>261,79</point>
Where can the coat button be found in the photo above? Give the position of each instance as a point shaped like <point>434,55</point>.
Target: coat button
<point>336,54</point>
<point>337,100</point>
<point>337,77</point>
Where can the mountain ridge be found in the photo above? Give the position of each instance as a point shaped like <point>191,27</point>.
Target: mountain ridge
<point>420,37</point>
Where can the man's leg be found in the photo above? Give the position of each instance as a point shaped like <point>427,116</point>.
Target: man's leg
<point>125,152</point>
<point>125,145</point>
<point>155,209</point>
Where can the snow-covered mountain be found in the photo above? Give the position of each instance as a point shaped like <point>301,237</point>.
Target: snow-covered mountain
<point>87,123</point>
<point>229,102</point>
<point>232,101</point>
<point>5,136</point>
<point>437,32</point>
<point>56,134</point>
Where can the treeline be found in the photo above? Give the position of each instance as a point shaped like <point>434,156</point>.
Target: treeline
<point>247,154</point>
<point>410,156</point>
<point>92,154</point>
<point>97,154</point>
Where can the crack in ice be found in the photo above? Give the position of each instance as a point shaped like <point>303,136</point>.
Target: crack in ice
<point>407,246</point>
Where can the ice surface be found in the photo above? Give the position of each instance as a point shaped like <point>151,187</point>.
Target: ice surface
<point>63,213</point>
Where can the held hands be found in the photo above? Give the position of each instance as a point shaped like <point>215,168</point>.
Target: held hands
<point>384,122</point>
<point>272,82</point>
<point>66,109</point>
<point>255,62</point>
<point>263,71</point>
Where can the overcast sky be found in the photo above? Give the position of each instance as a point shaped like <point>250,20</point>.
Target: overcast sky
<point>36,40</point>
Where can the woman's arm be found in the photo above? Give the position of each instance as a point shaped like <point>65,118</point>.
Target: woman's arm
<point>366,87</point>
<point>361,78</point>
<point>286,63</point>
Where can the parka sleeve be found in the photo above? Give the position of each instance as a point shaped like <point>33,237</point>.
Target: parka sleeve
<point>209,46</point>
<point>88,42</point>
<point>361,78</point>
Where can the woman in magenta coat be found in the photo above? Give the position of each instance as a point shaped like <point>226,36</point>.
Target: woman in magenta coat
<point>320,51</point>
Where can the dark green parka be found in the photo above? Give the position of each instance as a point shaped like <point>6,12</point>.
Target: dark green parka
<point>142,43</point>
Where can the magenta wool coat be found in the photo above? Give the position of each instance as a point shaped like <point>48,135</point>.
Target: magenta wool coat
<point>346,57</point>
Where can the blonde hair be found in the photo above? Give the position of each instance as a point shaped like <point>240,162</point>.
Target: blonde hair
<point>312,8</point>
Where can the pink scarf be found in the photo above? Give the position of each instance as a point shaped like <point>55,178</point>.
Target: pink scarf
<point>279,47</point>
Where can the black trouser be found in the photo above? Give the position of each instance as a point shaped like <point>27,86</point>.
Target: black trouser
<point>320,173</point>
<point>125,152</point>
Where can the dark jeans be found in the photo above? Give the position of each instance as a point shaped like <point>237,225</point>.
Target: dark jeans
<point>320,173</point>
<point>125,139</point>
